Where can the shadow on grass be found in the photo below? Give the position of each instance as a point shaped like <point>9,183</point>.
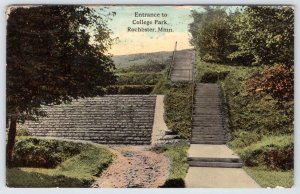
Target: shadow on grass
<point>174,183</point>
<point>16,177</point>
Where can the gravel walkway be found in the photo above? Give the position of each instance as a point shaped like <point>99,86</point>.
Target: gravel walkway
<point>135,166</point>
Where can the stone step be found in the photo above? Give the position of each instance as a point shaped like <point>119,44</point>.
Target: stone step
<point>214,141</point>
<point>206,123</point>
<point>208,133</point>
<point>208,142</point>
<point>207,105</point>
<point>207,101</point>
<point>208,128</point>
<point>216,164</point>
<point>208,138</point>
<point>166,137</point>
<point>200,118</point>
<point>206,159</point>
<point>194,135</point>
<point>203,119</point>
<point>207,110</point>
<point>212,97</point>
<point>201,114</point>
<point>208,115</point>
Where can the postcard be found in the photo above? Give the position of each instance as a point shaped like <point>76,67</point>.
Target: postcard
<point>150,96</point>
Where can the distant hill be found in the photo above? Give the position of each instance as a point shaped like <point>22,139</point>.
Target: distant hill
<point>124,61</point>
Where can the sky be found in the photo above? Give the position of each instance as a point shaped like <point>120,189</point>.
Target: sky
<point>177,18</point>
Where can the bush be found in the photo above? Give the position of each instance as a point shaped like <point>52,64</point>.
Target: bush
<point>278,81</point>
<point>130,89</point>
<point>213,77</point>
<point>241,139</point>
<point>33,152</point>
<point>139,78</point>
<point>80,170</point>
<point>211,34</point>
<point>275,152</point>
<point>22,132</point>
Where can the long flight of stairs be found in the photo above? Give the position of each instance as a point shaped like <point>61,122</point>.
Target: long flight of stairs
<point>208,124</point>
<point>208,142</point>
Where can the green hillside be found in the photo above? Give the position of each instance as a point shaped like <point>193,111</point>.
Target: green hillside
<point>124,61</point>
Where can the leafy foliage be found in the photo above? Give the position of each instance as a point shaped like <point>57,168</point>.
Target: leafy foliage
<point>211,34</point>
<point>278,81</point>
<point>213,77</point>
<point>140,78</point>
<point>274,152</point>
<point>266,33</point>
<point>130,89</point>
<point>50,57</point>
<point>32,152</point>
<point>79,170</point>
<point>54,54</point>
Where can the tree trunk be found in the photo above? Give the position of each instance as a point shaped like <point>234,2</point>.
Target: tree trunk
<point>11,140</point>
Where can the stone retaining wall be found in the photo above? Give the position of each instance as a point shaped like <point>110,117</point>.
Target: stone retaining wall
<point>112,119</point>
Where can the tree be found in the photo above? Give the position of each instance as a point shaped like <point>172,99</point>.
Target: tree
<point>266,33</point>
<point>54,54</point>
<point>211,34</point>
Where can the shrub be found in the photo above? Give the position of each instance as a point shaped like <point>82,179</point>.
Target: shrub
<point>80,170</point>
<point>22,132</point>
<point>33,152</point>
<point>242,139</point>
<point>275,152</point>
<point>278,81</point>
<point>130,89</point>
<point>139,78</point>
<point>213,77</point>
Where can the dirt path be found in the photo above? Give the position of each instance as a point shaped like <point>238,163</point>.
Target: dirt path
<point>135,167</point>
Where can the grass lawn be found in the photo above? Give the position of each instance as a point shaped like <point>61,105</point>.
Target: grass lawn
<point>77,171</point>
<point>271,178</point>
<point>177,154</point>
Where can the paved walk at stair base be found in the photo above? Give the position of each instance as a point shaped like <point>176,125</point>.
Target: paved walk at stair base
<point>206,177</point>
<point>112,119</point>
<point>205,155</point>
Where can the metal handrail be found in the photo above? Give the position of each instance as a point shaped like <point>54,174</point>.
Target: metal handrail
<point>193,85</point>
<point>172,62</point>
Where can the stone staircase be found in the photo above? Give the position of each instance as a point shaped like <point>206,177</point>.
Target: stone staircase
<point>183,67</point>
<point>208,140</point>
<point>208,124</point>
<point>111,119</point>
